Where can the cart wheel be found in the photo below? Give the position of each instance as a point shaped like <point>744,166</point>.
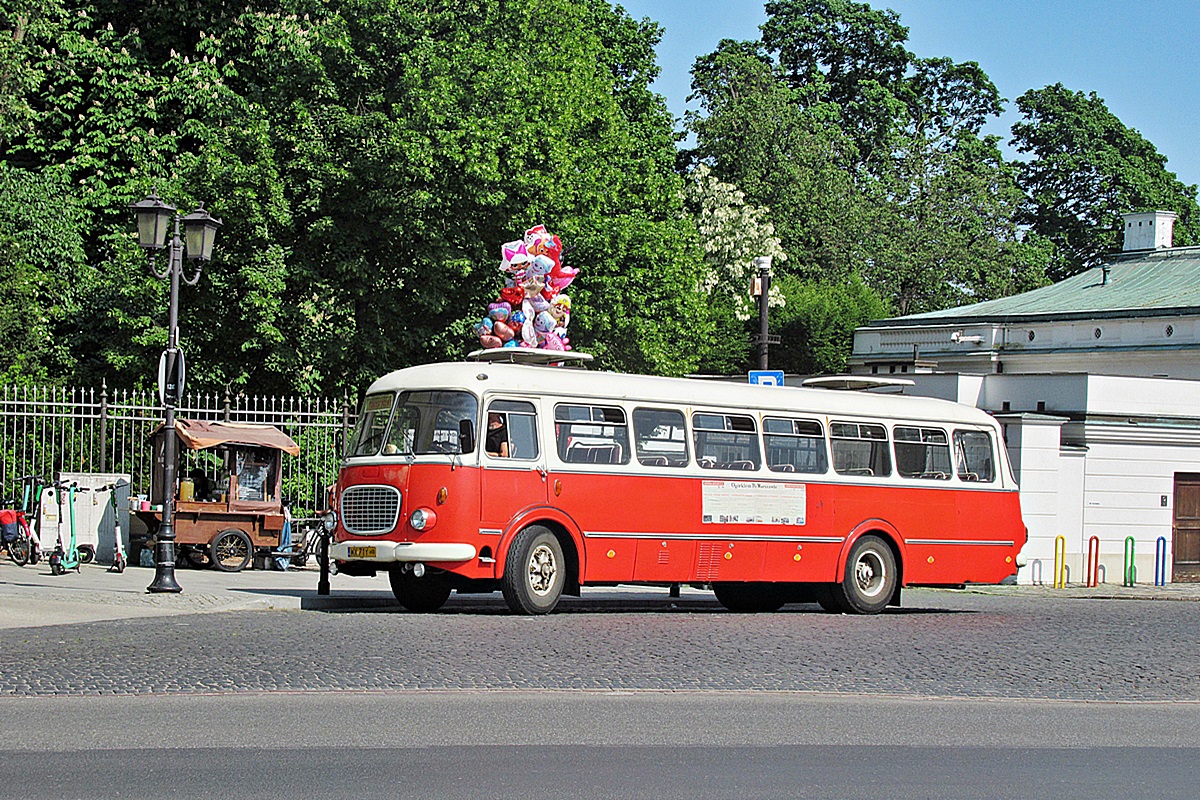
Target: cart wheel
<point>231,550</point>
<point>87,554</point>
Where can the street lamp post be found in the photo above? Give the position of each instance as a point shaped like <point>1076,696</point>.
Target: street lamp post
<point>200,229</point>
<point>763,265</point>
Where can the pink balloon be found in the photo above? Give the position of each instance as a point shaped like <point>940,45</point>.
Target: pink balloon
<point>489,341</point>
<point>503,331</point>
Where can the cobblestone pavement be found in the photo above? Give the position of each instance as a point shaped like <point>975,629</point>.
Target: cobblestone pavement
<point>940,644</point>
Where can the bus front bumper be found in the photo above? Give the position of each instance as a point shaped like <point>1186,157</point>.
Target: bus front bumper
<point>400,551</point>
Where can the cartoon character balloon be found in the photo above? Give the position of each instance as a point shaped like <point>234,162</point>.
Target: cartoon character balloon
<point>530,310</point>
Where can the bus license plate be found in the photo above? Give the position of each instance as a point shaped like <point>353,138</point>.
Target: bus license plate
<point>361,552</point>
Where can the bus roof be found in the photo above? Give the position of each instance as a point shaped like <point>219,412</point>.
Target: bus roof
<point>481,378</point>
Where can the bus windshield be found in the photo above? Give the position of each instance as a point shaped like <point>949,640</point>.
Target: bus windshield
<point>422,423</point>
<point>428,422</point>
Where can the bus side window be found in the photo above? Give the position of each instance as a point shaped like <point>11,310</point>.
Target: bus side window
<point>517,435</point>
<point>860,449</point>
<point>922,453</point>
<point>795,445</point>
<point>660,437</point>
<point>725,441</point>
<point>973,452</point>
<point>591,434</point>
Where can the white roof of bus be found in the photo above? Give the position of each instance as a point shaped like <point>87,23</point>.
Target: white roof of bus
<point>541,380</point>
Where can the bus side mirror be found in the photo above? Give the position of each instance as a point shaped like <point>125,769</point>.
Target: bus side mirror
<point>466,436</point>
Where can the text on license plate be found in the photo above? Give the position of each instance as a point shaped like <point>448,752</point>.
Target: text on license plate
<point>361,552</point>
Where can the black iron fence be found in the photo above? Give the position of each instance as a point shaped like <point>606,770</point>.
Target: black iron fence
<point>47,430</point>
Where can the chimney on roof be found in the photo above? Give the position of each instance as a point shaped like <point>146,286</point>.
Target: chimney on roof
<point>1149,230</point>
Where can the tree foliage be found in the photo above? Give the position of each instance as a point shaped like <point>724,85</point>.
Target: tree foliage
<point>368,158</point>
<point>870,159</point>
<point>1086,170</point>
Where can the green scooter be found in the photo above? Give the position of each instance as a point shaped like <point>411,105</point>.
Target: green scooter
<point>62,559</point>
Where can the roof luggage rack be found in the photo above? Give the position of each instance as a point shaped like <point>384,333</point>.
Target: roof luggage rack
<point>528,355</point>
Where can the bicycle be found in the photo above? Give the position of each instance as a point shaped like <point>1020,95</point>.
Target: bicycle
<point>19,538</point>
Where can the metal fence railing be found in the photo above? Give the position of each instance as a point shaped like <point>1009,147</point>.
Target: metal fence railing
<point>47,430</point>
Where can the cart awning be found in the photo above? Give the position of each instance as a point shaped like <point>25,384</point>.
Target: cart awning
<point>198,435</point>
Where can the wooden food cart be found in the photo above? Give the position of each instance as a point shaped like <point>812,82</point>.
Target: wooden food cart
<point>226,522</point>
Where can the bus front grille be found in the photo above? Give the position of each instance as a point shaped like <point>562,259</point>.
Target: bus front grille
<point>370,509</point>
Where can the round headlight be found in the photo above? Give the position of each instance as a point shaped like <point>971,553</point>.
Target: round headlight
<point>422,519</point>
<point>329,521</point>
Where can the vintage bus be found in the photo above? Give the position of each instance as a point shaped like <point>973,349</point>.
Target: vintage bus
<point>540,480</point>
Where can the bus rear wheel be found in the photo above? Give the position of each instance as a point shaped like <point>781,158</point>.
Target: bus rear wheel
<point>870,579</point>
<point>750,598</point>
<point>419,595</point>
<point>534,572</point>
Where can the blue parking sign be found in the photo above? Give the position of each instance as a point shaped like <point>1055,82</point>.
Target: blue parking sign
<point>767,377</point>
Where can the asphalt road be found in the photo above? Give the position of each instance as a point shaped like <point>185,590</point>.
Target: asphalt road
<point>954,695</point>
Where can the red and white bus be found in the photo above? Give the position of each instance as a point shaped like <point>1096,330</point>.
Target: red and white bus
<point>768,495</point>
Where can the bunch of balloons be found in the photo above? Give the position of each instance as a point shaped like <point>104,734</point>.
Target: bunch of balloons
<point>531,310</point>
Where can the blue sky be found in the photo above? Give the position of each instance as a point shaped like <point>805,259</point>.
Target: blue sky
<point>1141,57</point>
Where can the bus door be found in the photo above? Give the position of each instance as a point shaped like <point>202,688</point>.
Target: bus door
<point>594,484</point>
<point>514,468</point>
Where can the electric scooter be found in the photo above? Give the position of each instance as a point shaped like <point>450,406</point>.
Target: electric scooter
<point>62,559</point>
<point>119,559</point>
<point>31,505</point>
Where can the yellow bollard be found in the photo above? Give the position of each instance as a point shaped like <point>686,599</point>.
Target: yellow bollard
<point>1060,562</point>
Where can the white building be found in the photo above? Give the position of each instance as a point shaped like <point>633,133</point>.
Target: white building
<point>1097,382</point>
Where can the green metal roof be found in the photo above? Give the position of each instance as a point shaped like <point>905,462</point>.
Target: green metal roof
<point>1142,284</point>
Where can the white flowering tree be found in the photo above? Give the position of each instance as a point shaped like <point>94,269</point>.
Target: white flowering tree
<point>733,233</point>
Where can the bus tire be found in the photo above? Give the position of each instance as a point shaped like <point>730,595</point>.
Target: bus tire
<point>822,594</point>
<point>870,579</point>
<point>750,598</point>
<point>420,595</point>
<point>534,572</point>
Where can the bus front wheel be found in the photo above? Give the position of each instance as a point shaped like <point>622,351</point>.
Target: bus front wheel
<point>534,572</point>
<point>870,579</point>
<point>420,595</point>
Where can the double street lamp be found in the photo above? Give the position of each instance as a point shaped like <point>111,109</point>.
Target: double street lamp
<point>199,231</point>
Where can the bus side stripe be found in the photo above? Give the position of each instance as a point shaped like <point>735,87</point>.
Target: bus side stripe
<point>715,537</point>
<point>982,542</point>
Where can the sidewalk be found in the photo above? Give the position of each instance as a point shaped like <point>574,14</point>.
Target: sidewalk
<point>30,596</point>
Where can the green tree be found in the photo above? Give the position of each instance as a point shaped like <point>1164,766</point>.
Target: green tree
<point>816,324</point>
<point>870,159</point>
<point>1086,170</point>
<point>369,157</point>
<point>41,251</point>
<point>733,234</point>
<point>758,133</point>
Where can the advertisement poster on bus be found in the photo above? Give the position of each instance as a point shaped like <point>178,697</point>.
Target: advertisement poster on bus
<point>753,503</point>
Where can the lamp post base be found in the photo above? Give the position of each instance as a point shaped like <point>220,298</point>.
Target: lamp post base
<point>164,570</point>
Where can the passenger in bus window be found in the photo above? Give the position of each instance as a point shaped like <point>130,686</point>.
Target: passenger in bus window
<point>496,443</point>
